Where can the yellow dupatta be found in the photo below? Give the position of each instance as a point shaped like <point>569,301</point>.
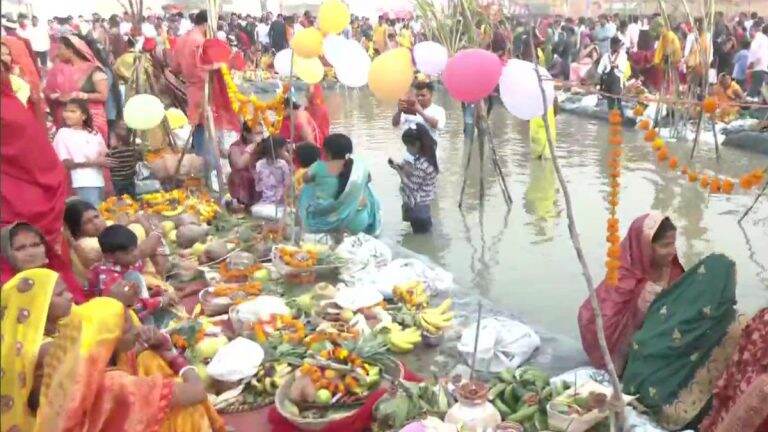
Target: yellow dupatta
<point>24,304</point>
<point>80,393</point>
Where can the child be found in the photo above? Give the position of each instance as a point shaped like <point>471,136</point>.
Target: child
<point>271,173</point>
<point>419,177</point>
<point>121,254</point>
<point>240,181</point>
<point>307,154</point>
<point>122,158</point>
<point>83,152</point>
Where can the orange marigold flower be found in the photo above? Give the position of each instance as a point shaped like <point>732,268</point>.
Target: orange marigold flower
<point>704,181</point>
<point>662,154</point>
<point>615,140</point>
<point>615,129</point>
<point>709,105</point>
<point>614,117</point>
<point>613,222</point>
<point>728,186</point>
<point>644,124</point>
<point>657,144</point>
<point>617,152</point>
<point>613,264</point>
<point>651,135</point>
<point>758,175</point>
<point>715,186</point>
<point>692,176</point>
<point>684,170</point>
<point>638,111</point>
<point>746,182</point>
<point>613,238</point>
<point>614,251</point>
<point>672,162</point>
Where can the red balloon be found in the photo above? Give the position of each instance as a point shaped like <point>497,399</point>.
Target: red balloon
<point>215,51</point>
<point>472,74</point>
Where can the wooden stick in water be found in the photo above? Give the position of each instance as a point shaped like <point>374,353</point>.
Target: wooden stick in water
<point>757,198</point>
<point>477,338</point>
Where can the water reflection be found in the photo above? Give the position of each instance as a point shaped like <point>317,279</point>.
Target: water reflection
<point>541,198</point>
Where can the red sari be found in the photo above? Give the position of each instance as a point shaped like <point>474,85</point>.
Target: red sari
<point>65,78</point>
<point>623,306</point>
<point>642,62</point>
<point>739,402</point>
<point>319,112</point>
<point>33,184</point>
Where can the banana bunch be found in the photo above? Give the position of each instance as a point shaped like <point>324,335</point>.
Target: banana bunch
<point>403,340</point>
<point>269,377</point>
<point>434,320</point>
<point>412,294</point>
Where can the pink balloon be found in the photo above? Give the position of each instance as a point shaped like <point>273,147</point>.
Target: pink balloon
<point>472,74</point>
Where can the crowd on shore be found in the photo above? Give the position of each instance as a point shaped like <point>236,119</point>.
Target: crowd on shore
<point>674,334</point>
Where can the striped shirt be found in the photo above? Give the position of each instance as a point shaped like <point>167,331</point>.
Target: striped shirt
<point>126,159</point>
<point>419,181</point>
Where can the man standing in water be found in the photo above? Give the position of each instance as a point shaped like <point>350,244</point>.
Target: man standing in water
<point>420,110</point>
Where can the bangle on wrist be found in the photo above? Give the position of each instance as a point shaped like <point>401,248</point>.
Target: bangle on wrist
<point>186,368</point>
<point>178,363</point>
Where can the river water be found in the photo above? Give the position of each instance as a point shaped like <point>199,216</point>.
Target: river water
<point>521,259</point>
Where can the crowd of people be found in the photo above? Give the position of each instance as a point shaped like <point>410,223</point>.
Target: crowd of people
<point>672,333</point>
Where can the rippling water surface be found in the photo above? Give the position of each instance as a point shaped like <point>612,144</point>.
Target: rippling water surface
<point>522,260</point>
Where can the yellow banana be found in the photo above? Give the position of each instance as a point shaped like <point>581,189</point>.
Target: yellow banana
<point>428,326</point>
<point>444,306</point>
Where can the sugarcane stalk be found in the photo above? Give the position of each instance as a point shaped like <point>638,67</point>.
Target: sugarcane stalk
<point>618,407</point>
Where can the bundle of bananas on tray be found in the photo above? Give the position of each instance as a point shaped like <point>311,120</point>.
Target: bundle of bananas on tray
<point>269,377</point>
<point>435,320</point>
<point>403,340</point>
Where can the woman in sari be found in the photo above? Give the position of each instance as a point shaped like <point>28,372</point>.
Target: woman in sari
<point>642,62</point>
<point>689,334</point>
<point>83,390</point>
<point>337,196</point>
<point>78,75</point>
<point>582,70</point>
<point>304,128</point>
<point>649,265</point>
<point>318,111</point>
<point>740,395</point>
<point>32,304</point>
<point>26,88</point>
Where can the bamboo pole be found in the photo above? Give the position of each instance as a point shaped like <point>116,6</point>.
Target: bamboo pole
<point>757,198</point>
<point>618,401</point>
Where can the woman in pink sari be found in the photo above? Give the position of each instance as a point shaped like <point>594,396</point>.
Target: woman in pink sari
<point>78,75</point>
<point>318,111</point>
<point>649,264</point>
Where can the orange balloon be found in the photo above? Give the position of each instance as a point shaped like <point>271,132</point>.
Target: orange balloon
<point>391,75</point>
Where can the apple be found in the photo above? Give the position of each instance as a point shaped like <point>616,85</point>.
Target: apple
<point>323,397</point>
<point>261,275</point>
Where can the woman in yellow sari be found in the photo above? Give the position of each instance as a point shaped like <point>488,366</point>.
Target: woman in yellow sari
<point>32,304</point>
<point>82,391</point>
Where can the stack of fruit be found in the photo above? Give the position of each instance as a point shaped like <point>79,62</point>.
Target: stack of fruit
<point>412,294</point>
<point>298,258</point>
<point>403,340</point>
<point>521,395</point>
<point>435,320</point>
<point>269,377</point>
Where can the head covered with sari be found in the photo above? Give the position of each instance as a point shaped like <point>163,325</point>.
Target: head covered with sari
<point>689,334</point>
<point>79,389</point>
<point>24,304</point>
<point>619,304</point>
<point>66,77</point>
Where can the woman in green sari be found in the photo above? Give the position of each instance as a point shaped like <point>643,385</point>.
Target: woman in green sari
<point>337,197</point>
<point>689,334</point>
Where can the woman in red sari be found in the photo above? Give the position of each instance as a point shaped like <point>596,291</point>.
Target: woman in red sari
<point>643,64</point>
<point>649,264</point>
<point>739,402</point>
<point>318,111</point>
<point>33,183</point>
<point>78,75</point>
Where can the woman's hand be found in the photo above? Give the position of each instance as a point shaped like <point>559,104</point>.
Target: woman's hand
<point>154,339</point>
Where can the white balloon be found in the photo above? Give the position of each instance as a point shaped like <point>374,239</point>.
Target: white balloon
<point>143,112</point>
<point>352,70</point>
<point>430,57</point>
<point>519,89</point>
<point>334,47</point>
<point>282,62</point>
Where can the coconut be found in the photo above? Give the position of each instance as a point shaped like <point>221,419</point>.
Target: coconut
<point>215,251</point>
<point>192,166</point>
<point>187,270</point>
<point>186,219</point>
<point>188,235</point>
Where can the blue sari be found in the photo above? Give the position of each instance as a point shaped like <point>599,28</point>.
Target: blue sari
<point>356,210</point>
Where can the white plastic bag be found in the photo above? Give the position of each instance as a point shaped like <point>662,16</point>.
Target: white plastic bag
<point>267,211</point>
<point>400,271</point>
<point>362,251</point>
<point>504,343</point>
<point>236,360</point>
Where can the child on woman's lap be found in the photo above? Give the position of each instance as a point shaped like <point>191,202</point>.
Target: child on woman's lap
<point>272,172</point>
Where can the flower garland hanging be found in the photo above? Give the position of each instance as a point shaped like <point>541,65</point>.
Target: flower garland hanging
<point>615,139</point>
<point>252,109</point>
<point>713,183</point>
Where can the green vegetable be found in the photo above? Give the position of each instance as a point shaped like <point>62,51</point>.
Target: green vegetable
<point>510,398</point>
<point>507,375</point>
<point>541,420</point>
<point>503,409</point>
<point>496,390</point>
<point>524,414</point>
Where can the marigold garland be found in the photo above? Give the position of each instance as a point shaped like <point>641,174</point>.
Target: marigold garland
<point>114,206</point>
<point>714,184</point>
<point>615,139</point>
<point>252,109</point>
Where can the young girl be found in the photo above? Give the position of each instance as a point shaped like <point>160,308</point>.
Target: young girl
<point>240,181</point>
<point>83,152</point>
<point>418,177</point>
<point>272,172</point>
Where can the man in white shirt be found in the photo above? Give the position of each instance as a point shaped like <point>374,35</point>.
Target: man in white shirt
<point>40,41</point>
<point>758,59</point>
<point>185,25</point>
<point>126,24</point>
<point>422,111</point>
<point>262,33</point>
<point>612,69</point>
<point>633,33</point>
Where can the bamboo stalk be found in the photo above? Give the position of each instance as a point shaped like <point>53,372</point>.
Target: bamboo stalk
<point>618,406</point>
<point>757,198</point>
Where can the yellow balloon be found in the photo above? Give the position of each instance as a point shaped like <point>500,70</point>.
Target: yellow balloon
<point>308,42</point>
<point>333,16</point>
<point>391,75</point>
<point>309,70</point>
<point>176,118</point>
